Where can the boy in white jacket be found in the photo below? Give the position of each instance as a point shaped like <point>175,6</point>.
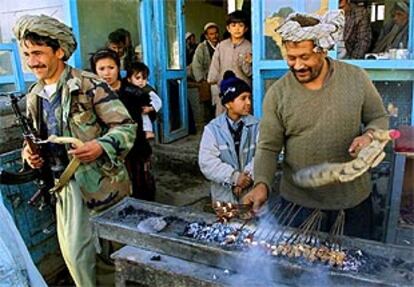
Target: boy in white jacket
<point>228,143</point>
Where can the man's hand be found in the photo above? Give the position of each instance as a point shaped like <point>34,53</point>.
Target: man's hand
<point>33,159</point>
<point>90,151</point>
<point>359,143</point>
<point>256,197</point>
<point>244,180</point>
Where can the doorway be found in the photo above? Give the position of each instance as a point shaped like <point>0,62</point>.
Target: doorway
<point>197,15</point>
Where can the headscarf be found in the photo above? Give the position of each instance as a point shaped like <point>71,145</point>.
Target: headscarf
<point>324,34</point>
<point>231,87</point>
<point>47,27</point>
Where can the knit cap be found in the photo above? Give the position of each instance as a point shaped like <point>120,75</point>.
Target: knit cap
<point>231,87</point>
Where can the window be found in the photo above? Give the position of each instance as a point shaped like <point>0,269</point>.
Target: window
<point>274,14</point>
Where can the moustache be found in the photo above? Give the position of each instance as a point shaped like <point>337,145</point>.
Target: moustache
<point>37,66</point>
<point>300,70</point>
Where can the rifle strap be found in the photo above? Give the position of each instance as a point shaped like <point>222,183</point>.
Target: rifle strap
<point>73,164</point>
<point>66,175</point>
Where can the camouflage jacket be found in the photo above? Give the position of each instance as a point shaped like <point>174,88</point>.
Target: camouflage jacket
<point>91,110</point>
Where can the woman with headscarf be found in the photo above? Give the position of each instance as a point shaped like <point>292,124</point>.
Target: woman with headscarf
<point>106,64</point>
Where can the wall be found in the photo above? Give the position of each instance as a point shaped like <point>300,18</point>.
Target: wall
<point>10,11</point>
<point>198,13</point>
<point>99,18</point>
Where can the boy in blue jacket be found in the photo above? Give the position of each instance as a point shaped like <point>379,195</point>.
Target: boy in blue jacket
<point>228,143</point>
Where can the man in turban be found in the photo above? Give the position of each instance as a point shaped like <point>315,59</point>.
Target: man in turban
<point>73,103</point>
<point>394,35</point>
<point>322,110</point>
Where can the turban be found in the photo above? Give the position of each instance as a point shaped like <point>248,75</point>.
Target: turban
<point>231,87</point>
<point>209,25</point>
<point>47,27</point>
<point>402,5</point>
<point>325,32</point>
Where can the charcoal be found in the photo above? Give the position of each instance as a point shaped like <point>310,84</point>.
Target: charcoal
<point>219,233</point>
<point>227,235</point>
<point>397,262</point>
<point>156,258</point>
<point>409,266</point>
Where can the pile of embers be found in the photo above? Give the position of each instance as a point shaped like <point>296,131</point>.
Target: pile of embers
<point>302,243</point>
<point>226,211</point>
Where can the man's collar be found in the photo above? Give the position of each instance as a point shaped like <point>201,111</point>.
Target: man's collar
<point>211,45</point>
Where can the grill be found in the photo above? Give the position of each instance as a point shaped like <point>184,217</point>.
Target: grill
<point>165,230</point>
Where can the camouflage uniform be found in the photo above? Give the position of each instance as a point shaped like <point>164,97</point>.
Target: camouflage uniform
<point>89,110</point>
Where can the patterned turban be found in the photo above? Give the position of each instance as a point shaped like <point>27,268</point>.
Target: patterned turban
<point>324,31</point>
<point>47,27</point>
<point>402,5</point>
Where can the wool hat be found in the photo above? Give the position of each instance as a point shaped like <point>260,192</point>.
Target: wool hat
<point>231,87</point>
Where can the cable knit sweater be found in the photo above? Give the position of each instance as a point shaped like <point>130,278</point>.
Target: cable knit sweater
<point>316,126</point>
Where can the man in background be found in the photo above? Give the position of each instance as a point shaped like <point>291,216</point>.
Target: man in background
<point>201,65</point>
<point>357,31</point>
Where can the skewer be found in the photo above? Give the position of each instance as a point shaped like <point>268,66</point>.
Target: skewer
<point>305,226</point>
<point>272,213</point>
<point>287,225</point>
<point>337,231</point>
<point>283,218</point>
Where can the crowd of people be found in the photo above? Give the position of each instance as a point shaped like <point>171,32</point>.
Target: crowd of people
<point>312,113</point>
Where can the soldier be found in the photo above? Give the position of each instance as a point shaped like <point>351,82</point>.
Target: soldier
<point>73,103</point>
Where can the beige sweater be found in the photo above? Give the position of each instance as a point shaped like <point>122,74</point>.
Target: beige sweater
<point>316,127</point>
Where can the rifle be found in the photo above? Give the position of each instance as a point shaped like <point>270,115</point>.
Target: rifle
<point>43,176</point>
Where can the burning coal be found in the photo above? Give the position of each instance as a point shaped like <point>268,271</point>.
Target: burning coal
<point>219,233</point>
<point>228,235</point>
<point>302,244</point>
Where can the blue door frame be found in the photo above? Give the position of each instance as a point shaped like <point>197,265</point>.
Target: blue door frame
<point>164,74</point>
<point>378,70</point>
<point>155,48</point>
<point>19,78</point>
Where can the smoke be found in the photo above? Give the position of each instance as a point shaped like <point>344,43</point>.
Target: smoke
<point>254,261</point>
<point>267,270</point>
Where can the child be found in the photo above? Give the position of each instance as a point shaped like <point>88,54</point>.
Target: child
<point>233,54</point>
<point>137,75</point>
<point>228,143</point>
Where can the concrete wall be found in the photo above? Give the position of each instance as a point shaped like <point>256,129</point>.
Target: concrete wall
<point>198,13</point>
<point>99,18</point>
<point>10,11</point>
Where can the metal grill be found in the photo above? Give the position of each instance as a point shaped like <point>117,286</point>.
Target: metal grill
<point>387,265</point>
